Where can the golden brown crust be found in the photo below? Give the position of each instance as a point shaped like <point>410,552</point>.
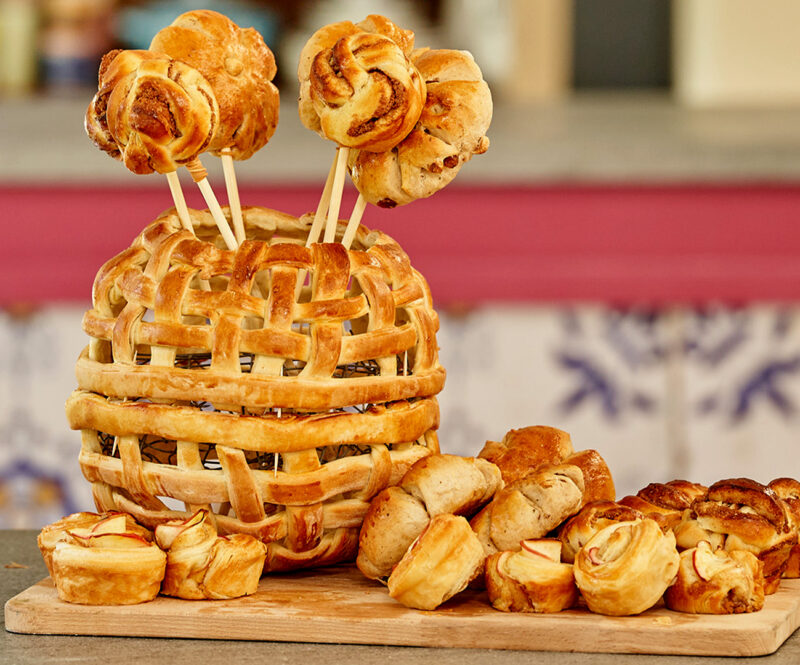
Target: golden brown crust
<point>665,517</point>
<point>593,517</point>
<point>438,565</point>
<point>788,489</point>
<point>520,582</point>
<point>529,508</point>
<point>524,450</point>
<point>716,582</point>
<point>675,494</point>
<point>201,564</point>
<point>152,112</point>
<point>598,484</point>
<point>451,129</point>
<point>239,68</point>
<point>625,568</point>
<point>434,485</point>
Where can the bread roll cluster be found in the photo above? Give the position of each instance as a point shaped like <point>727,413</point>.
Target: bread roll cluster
<point>204,84</point>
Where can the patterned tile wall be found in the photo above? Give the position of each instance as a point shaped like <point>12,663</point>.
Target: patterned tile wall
<point>662,394</point>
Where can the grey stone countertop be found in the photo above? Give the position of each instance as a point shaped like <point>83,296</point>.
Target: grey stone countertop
<point>590,137</point>
<point>20,547</point>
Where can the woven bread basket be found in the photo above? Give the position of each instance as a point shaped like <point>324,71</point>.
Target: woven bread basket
<point>208,383</point>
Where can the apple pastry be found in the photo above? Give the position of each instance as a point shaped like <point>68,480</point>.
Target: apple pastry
<point>625,568</point>
<point>106,564</point>
<point>532,579</point>
<point>576,531</point>
<point>715,581</point>
<point>201,564</point>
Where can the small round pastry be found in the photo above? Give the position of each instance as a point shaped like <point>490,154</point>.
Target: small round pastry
<point>526,449</point>
<point>438,565</point>
<point>111,568</point>
<point>529,508</point>
<point>433,485</point>
<point>594,516</point>
<point>160,112</point>
<point>367,94</point>
<point>714,581</point>
<point>788,489</point>
<point>85,524</point>
<point>625,568</point>
<point>451,129</point>
<point>201,564</point>
<point>531,580</point>
<point>666,518</point>
<point>324,39</point>
<point>752,517</point>
<point>238,66</point>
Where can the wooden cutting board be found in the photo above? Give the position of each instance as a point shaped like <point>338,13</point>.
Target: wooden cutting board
<point>338,605</point>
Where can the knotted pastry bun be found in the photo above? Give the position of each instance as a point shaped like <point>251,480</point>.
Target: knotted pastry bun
<point>751,517</point>
<point>451,129</point>
<point>594,516</point>
<point>85,522</point>
<point>666,502</point>
<point>158,112</point>
<point>439,564</point>
<point>788,489</point>
<point>108,565</point>
<point>531,580</point>
<point>434,485</point>
<point>324,39</point>
<point>239,67</point>
<point>529,508</point>
<point>598,484</point>
<point>201,564</point>
<point>625,568</point>
<point>366,92</point>
<point>713,581</point>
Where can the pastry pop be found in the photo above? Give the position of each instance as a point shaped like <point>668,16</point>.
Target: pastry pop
<point>359,89</point>
<point>156,114</point>
<point>239,67</point>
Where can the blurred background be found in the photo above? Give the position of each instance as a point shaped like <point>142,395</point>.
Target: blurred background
<point>623,263</point>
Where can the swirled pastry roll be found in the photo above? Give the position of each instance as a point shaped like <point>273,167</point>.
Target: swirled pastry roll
<point>85,524</point>
<point>238,66</point>
<point>788,489</point>
<point>366,92</point>
<point>530,580</point>
<point>451,129</point>
<point>751,517</point>
<point>433,485</point>
<point>159,112</point>
<point>625,568</point>
<point>577,530</point>
<point>438,565</point>
<point>100,567</point>
<point>529,508</point>
<point>714,581</point>
<point>324,39</point>
<point>201,564</point>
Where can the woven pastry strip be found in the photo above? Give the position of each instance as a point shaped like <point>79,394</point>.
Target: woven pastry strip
<point>206,384</point>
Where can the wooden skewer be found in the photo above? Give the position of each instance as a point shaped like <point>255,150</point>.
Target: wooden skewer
<point>180,202</point>
<point>354,221</point>
<point>336,194</point>
<point>233,194</point>
<point>200,176</point>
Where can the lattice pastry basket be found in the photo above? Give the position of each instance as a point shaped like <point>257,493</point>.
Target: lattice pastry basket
<point>213,380</point>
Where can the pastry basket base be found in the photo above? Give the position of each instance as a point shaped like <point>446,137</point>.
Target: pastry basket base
<point>339,605</point>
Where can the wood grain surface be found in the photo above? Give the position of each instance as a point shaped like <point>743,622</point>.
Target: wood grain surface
<point>338,605</point>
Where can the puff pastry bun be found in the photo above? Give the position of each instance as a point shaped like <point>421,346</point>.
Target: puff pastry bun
<point>625,568</point>
<point>530,580</point>
<point>438,565</point>
<point>594,516</point>
<point>201,564</point>
<point>716,582</point>
<point>115,567</point>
